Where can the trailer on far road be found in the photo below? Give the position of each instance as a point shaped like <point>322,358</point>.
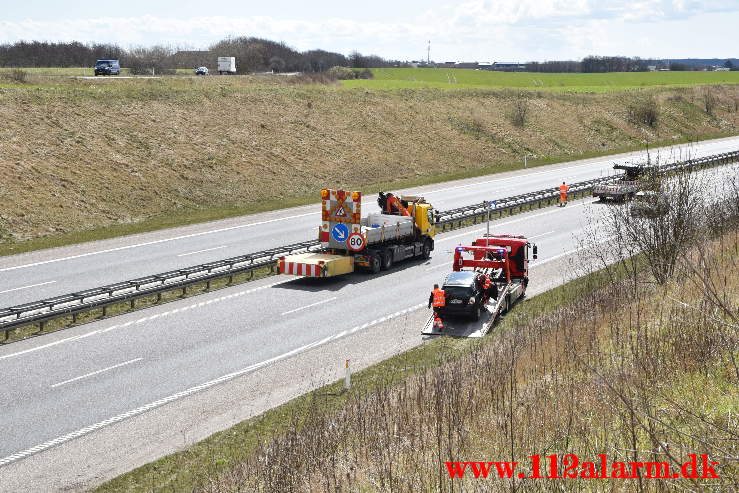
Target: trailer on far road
<point>226,65</point>
<point>625,187</point>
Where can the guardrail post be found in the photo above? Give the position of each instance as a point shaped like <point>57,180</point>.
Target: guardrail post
<point>42,326</point>
<point>74,316</point>
<point>6,336</point>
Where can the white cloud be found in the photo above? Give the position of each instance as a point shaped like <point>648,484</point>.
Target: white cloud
<point>483,30</point>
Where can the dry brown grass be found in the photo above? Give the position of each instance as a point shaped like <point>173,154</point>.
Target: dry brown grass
<point>83,154</point>
<point>628,372</point>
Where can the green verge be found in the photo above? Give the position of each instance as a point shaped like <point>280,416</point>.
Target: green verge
<point>185,470</point>
<point>176,219</point>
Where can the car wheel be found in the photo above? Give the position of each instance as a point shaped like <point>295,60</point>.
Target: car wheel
<point>476,312</point>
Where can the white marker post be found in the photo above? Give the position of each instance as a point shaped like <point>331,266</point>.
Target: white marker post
<point>347,376</point>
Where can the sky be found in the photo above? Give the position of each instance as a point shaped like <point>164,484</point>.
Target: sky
<point>466,30</point>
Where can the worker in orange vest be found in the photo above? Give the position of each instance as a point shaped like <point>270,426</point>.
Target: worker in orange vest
<point>437,298</point>
<point>563,189</point>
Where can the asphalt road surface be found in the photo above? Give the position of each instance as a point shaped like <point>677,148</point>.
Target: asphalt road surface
<point>82,381</point>
<point>38,275</point>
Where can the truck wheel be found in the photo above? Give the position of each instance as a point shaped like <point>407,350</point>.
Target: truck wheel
<point>426,252</point>
<point>387,259</point>
<point>375,263</point>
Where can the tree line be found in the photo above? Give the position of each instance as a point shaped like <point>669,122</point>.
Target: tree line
<point>260,55</point>
<point>252,55</point>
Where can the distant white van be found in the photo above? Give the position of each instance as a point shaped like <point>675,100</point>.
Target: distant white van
<point>226,65</point>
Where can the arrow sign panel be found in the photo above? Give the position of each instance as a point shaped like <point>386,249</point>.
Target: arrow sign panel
<point>340,232</point>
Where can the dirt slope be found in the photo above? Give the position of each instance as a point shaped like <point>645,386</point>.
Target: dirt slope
<point>77,157</point>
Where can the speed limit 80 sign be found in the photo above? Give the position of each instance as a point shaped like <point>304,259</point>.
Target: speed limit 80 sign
<point>355,242</point>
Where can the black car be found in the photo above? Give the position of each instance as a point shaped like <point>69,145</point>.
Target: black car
<point>463,295</point>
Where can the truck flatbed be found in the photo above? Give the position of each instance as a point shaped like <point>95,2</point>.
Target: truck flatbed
<point>461,327</point>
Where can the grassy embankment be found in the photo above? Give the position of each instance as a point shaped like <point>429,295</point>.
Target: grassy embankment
<point>408,78</point>
<point>598,366</point>
<point>88,159</point>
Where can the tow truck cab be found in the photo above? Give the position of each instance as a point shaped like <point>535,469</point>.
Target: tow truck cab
<point>517,248</point>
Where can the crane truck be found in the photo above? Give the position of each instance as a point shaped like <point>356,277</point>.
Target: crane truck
<point>624,187</point>
<point>403,229</point>
<point>470,309</point>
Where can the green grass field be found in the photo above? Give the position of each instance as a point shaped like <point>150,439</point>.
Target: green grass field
<point>408,78</point>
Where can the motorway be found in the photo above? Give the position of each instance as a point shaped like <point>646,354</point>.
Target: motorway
<point>84,380</point>
<point>37,275</point>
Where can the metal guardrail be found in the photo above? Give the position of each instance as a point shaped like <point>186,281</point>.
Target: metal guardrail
<point>40,312</point>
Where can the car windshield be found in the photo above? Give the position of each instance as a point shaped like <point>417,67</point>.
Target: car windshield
<point>104,64</point>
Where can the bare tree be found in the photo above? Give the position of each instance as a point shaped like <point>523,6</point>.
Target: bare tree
<point>520,111</point>
<point>276,64</point>
<point>709,101</point>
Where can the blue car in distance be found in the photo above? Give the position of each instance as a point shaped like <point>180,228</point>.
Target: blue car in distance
<point>107,67</point>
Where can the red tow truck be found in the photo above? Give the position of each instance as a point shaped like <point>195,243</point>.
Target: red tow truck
<point>500,262</point>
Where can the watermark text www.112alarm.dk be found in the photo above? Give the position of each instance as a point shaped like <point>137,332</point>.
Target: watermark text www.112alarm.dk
<point>570,466</point>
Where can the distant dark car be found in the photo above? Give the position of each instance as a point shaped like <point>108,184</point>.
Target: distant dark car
<point>463,295</point>
<point>107,67</point>
<point>201,71</point>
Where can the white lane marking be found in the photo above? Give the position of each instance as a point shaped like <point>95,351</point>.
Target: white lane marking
<point>540,235</point>
<point>525,218</point>
<point>26,287</point>
<point>96,372</point>
<point>534,263</point>
<point>140,321</point>
<point>192,390</point>
<point>154,242</point>
<point>68,339</point>
<point>675,149</point>
<point>445,264</point>
<point>308,306</point>
<point>559,170</point>
<point>201,251</point>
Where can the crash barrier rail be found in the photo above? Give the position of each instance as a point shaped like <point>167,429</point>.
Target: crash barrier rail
<point>41,312</point>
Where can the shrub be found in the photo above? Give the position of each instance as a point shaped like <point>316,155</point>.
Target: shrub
<point>364,74</point>
<point>313,78</point>
<point>520,112</point>
<point>17,75</point>
<point>341,73</point>
<point>644,111</point>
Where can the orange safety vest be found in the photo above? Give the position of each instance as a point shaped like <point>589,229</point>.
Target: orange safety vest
<point>487,283</point>
<point>563,189</point>
<point>439,298</point>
